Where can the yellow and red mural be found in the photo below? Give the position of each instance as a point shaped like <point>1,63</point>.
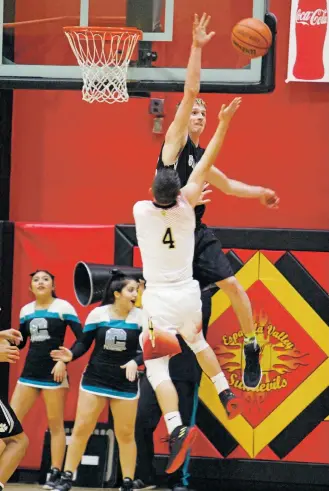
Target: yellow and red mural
<point>294,343</point>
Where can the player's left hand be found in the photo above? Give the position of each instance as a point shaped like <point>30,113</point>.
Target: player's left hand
<point>12,335</point>
<point>202,198</point>
<point>227,112</point>
<point>200,36</point>
<point>59,371</point>
<point>270,199</point>
<point>131,370</point>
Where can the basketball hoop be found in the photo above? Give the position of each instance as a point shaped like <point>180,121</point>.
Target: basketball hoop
<point>103,54</point>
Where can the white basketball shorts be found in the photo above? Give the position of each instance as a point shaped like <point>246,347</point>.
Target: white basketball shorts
<point>174,308</point>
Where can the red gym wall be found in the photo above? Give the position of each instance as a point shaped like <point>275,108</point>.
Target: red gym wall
<point>78,163</point>
<point>74,163</point>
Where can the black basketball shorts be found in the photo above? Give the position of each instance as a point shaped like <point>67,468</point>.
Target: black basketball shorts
<point>9,424</point>
<point>210,264</point>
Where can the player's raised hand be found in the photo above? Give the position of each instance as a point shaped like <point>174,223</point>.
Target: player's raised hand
<point>200,36</point>
<point>227,112</point>
<point>203,200</point>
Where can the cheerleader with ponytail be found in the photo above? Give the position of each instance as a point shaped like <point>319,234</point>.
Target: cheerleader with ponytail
<point>110,376</point>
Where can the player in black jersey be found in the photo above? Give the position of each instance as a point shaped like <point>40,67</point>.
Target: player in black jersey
<point>13,440</point>
<point>111,375</point>
<point>182,152</point>
<point>44,322</point>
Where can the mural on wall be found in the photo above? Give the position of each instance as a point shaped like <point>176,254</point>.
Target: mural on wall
<point>294,342</point>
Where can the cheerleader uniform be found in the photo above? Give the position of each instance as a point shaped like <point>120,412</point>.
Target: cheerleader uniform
<point>116,343</point>
<point>46,330</point>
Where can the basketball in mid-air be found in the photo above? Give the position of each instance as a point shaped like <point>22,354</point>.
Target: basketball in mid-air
<point>252,37</point>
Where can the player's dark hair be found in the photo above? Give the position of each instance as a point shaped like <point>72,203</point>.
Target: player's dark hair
<point>53,293</point>
<point>166,186</point>
<point>116,283</point>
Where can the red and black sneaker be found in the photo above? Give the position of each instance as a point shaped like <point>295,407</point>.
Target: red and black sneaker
<point>180,442</point>
<point>231,403</point>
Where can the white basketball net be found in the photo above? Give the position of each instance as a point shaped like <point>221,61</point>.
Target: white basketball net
<point>103,56</point>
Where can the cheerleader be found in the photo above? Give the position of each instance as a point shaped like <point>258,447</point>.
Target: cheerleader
<point>110,376</point>
<point>44,321</point>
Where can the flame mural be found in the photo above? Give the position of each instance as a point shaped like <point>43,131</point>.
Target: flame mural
<point>291,349</point>
<point>280,357</point>
<point>278,352</point>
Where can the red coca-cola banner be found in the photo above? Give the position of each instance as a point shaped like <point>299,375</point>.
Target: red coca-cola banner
<point>309,41</point>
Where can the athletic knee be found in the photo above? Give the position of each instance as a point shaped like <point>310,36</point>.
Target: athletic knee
<point>23,442</point>
<point>82,428</point>
<point>20,441</point>
<point>157,371</point>
<point>56,425</point>
<point>125,433</point>
<point>197,343</point>
<point>231,286</point>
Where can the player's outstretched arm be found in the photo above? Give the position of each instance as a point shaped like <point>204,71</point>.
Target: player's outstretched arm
<point>196,181</point>
<point>177,132</point>
<point>231,187</point>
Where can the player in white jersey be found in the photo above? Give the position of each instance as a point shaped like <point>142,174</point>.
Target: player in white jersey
<point>169,254</point>
<point>172,299</point>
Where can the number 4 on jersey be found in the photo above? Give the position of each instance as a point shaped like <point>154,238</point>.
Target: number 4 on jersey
<point>168,239</point>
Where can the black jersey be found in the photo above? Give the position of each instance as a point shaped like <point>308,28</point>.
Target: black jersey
<point>46,330</point>
<point>116,343</point>
<point>187,159</point>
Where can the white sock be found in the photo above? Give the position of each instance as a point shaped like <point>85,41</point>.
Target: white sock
<point>172,421</point>
<point>2,485</point>
<point>220,382</point>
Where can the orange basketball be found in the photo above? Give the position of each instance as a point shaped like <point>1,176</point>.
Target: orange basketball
<point>166,343</point>
<point>251,37</point>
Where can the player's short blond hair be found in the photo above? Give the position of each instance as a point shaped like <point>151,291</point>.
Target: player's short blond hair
<point>198,101</point>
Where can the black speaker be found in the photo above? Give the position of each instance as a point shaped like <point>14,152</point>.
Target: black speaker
<point>99,466</point>
<point>90,280</point>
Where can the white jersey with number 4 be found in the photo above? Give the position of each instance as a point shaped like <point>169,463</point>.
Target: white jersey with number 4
<point>166,240</point>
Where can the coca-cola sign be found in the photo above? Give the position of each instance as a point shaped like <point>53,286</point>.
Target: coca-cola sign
<point>309,41</point>
<point>312,17</point>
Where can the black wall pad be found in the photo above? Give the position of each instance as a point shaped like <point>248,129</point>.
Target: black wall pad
<point>6,276</point>
<point>274,239</point>
<point>240,238</point>
<point>301,426</point>
<point>123,248</point>
<point>234,260</point>
<point>305,284</point>
<point>214,431</point>
<point>237,470</point>
<point>6,109</point>
<point>210,474</point>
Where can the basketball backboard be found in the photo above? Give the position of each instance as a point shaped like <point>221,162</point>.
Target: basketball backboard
<point>36,54</point>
